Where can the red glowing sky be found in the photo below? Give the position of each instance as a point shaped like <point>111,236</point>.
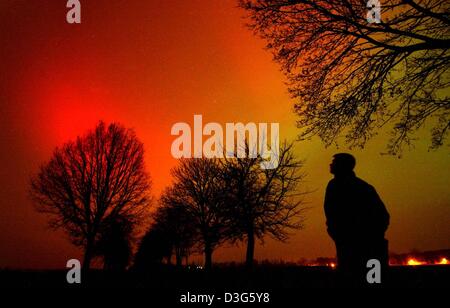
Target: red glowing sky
<point>148,65</point>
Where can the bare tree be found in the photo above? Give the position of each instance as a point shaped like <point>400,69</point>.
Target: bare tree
<point>352,77</point>
<point>199,189</point>
<point>90,182</point>
<point>178,223</point>
<point>263,202</point>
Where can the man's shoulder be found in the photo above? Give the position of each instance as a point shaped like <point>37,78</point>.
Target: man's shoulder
<point>363,183</point>
<point>331,183</point>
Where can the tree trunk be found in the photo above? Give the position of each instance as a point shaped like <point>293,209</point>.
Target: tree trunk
<point>208,256</point>
<point>179,257</point>
<point>88,253</point>
<point>250,248</point>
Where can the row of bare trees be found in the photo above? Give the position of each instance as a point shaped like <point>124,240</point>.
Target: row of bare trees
<point>213,201</point>
<point>97,190</point>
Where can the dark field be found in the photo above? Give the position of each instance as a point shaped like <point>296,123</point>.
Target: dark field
<point>226,277</point>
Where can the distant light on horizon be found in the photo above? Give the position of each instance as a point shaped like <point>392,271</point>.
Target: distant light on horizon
<point>414,262</point>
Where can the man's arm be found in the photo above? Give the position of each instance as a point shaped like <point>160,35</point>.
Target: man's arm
<point>329,212</point>
<point>379,212</point>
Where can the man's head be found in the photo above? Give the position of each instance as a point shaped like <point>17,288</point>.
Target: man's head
<point>343,163</point>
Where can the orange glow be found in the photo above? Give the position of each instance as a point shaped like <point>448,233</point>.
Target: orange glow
<point>443,261</point>
<point>151,64</point>
<point>414,262</point>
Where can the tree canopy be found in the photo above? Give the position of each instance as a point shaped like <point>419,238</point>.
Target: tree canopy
<point>350,77</point>
<point>91,182</point>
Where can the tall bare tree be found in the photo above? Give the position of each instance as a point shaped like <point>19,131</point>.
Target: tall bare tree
<point>263,202</point>
<point>198,187</point>
<point>90,182</point>
<point>352,77</point>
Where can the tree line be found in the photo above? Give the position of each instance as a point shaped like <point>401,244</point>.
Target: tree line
<point>96,188</point>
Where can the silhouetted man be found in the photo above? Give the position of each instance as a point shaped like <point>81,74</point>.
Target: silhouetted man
<point>356,219</point>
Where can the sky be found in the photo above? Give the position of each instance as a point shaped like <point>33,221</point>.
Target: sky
<point>151,64</point>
